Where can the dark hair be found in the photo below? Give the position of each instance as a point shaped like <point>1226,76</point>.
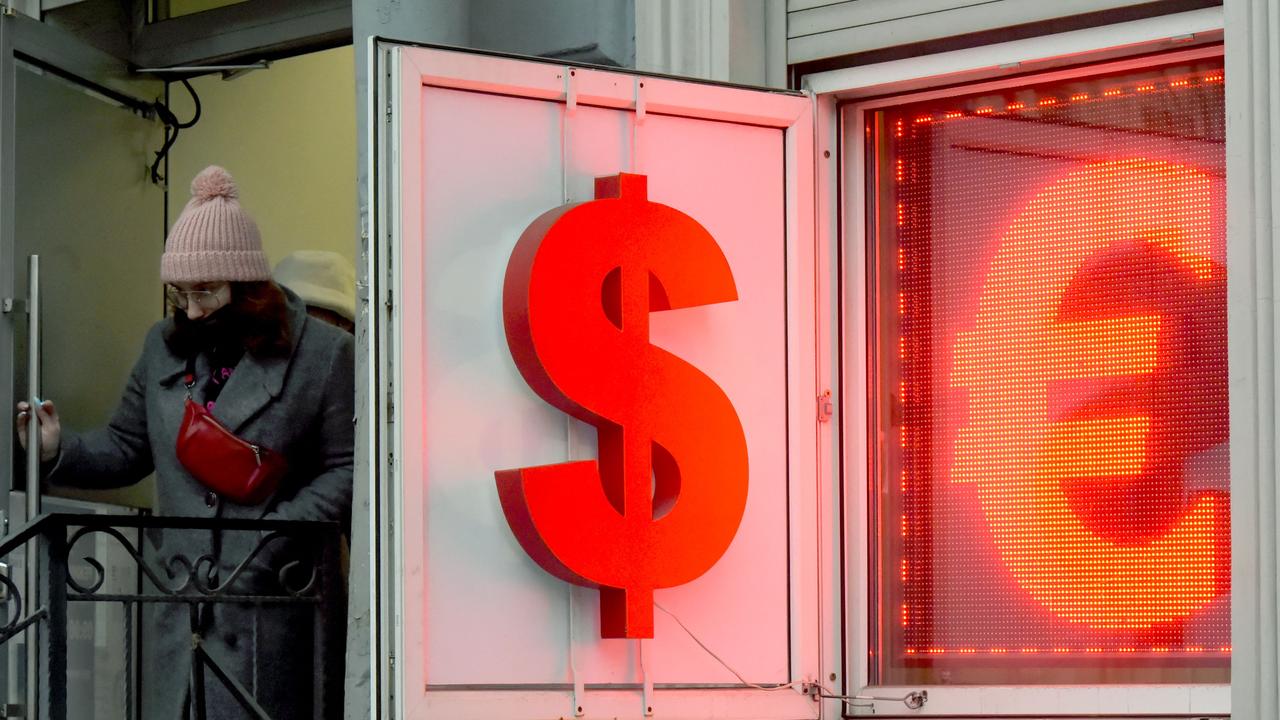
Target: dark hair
<point>257,317</point>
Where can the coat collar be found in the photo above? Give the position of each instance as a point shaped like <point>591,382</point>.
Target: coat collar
<point>256,381</point>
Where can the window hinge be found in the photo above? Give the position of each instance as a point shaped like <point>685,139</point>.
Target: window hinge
<point>391,690</point>
<point>826,407</point>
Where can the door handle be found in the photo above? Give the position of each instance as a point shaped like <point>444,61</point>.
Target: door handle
<point>33,474</point>
<point>33,386</point>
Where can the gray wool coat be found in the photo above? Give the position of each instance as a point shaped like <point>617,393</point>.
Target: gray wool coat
<point>301,406</point>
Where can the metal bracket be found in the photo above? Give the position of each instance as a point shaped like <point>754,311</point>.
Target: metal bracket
<point>638,90</point>
<point>9,305</point>
<point>570,91</point>
<point>813,690</point>
<point>203,69</point>
<point>12,711</point>
<point>579,694</point>
<point>579,679</point>
<point>826,407</point>
<point>647,688</point>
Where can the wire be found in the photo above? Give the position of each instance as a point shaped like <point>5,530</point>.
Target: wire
<point>768,688</point>
<point>913,700</point>
<point>171,127</point>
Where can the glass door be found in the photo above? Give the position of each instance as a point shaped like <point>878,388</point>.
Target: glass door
<point>78,139</point>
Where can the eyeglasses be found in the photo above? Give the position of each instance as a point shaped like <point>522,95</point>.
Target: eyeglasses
<point>181,299</point>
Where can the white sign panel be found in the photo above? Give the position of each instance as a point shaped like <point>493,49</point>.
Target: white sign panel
<point>485,147</point>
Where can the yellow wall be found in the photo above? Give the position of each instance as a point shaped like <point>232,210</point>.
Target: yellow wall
<point>288,136</point>
<point>178,8</point>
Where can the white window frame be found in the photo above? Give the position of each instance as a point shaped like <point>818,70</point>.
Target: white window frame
<point>842,219</point>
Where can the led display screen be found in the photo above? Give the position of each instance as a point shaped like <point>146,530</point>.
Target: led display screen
<point>1052,481</point>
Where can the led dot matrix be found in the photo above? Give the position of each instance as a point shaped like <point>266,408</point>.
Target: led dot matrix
<point>1052,381</point>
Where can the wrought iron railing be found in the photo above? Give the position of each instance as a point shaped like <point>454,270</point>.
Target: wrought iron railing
<point>311,578</point>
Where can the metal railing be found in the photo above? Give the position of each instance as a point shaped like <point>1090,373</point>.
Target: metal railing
<point>311,578</point>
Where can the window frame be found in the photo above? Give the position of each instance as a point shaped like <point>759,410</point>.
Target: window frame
<point>856,91</point>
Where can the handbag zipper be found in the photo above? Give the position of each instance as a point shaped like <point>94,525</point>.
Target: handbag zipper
<point>257,451</point>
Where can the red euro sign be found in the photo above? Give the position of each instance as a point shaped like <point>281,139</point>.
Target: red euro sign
<point>665,499</point>
<point>1022,344</point>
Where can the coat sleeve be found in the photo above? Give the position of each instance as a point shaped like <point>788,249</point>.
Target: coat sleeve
<point>118,454</point>
<point>328,495</point>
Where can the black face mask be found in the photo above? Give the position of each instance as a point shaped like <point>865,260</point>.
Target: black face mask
<point>218,333</point>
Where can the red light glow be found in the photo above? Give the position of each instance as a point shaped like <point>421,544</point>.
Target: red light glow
<point>1019,347</point>
<point>1051,371</point>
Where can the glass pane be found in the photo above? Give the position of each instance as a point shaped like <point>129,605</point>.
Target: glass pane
<point>84,205</point>
<point>1053,481</point>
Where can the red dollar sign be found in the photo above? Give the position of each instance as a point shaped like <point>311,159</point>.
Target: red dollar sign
<point>664,501</point>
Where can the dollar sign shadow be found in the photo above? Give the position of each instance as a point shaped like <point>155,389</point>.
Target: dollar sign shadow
<point>665,499</point>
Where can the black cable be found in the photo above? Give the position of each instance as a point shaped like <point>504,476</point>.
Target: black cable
<point>171,127</point>
<point>195,99</point>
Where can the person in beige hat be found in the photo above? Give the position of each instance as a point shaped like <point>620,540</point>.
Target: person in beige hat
<point>244,349</point>
<point>326,282</point>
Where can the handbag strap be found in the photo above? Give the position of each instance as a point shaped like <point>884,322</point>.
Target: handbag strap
<point>189,378</point>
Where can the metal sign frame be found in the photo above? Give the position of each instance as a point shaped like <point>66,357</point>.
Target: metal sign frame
<point>396,267</point>
<point>897,82</point>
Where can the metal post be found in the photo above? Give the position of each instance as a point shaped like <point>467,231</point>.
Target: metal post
<point>53,661</point>
<point>328,625</point>
<point>33,477</point>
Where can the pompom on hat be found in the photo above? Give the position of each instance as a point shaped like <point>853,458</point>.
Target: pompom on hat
<point>214,239</point>
<point>321,278</point>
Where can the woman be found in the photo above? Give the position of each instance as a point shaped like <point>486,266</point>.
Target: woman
<point>245,350</point>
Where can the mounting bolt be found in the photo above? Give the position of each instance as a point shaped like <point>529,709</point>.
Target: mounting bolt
<point>813,690</point>
<point>826,408</point>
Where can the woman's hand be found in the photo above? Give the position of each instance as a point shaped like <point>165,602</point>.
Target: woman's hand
<point>50,428</point>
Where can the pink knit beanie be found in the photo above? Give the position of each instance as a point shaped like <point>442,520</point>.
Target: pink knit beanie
<point>214,238</point>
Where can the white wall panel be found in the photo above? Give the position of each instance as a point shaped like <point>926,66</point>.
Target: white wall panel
<point>817,29</point>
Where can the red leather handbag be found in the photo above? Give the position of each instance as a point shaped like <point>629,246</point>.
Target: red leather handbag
<point>235,469</point>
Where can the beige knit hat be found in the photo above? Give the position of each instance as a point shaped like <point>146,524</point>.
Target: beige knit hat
<point>214,238</point>
<point>321,278</point>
